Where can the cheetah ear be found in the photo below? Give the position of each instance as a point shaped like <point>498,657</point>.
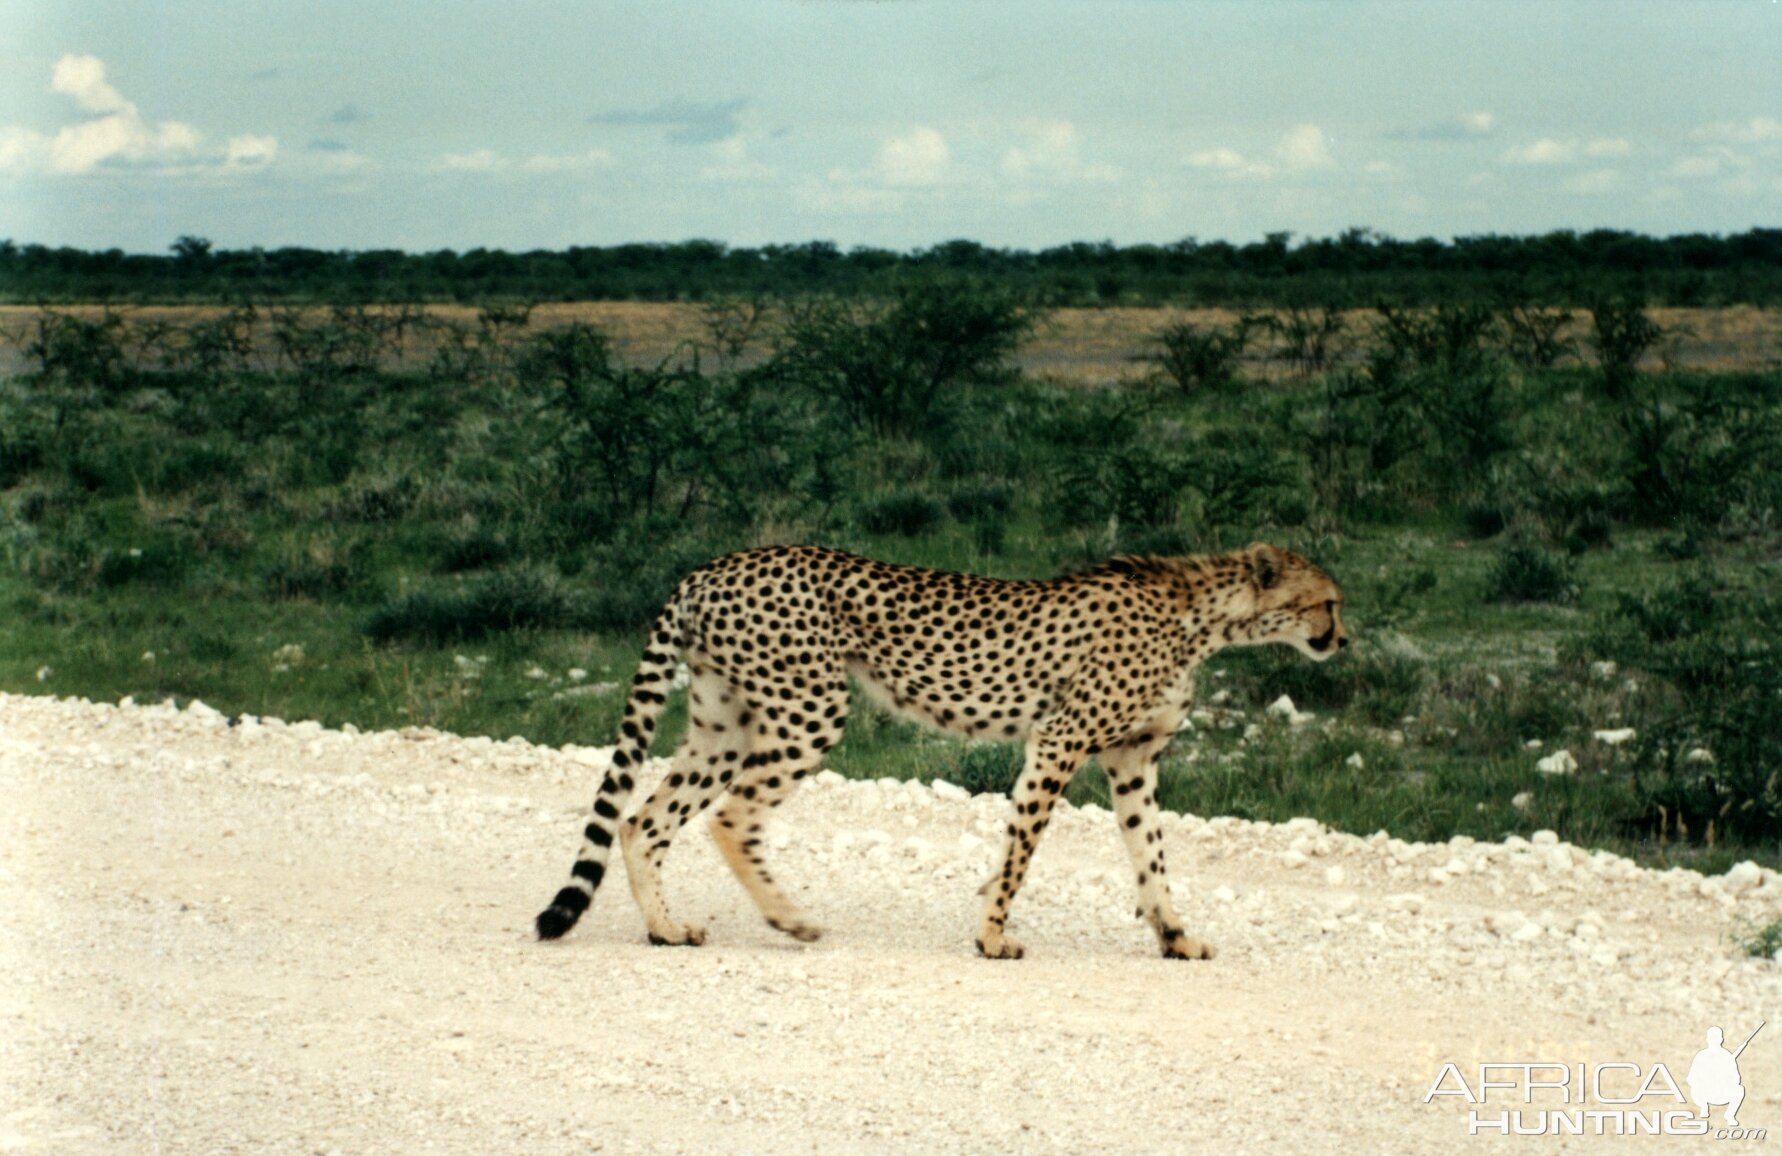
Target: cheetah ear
<point>1268,564</point>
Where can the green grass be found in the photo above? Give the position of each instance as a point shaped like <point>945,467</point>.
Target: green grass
<point>1760,942</point>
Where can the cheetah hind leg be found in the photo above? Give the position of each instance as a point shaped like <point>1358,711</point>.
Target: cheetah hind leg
<point>708,758</point>
<point>737,829</point>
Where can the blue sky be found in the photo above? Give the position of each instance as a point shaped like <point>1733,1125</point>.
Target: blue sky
<point>522,125</point>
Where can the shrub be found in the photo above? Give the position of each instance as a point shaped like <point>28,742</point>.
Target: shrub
<point>986,502</point>
<point>1621,333</point>
<point>1448,339</point>
<point>1523,572</point>
<point>987,768</point>
<point>384,499</point>
<point>1196,357</point>
<point>74,351</point>
<point>1531,335</point>
<point>474,548</point>
<point>500,601</point>
<point>909,514</point>
<point>1309,340</point>
<point>1484,519</point>
<point>886,366</point>
<point>320,569</point>
<point>628,579</point>
<point>158,561</point>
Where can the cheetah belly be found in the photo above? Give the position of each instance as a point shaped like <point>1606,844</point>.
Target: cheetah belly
<point>935,706</point>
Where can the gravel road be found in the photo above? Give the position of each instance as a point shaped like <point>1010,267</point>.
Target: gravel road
<point>272,937</point>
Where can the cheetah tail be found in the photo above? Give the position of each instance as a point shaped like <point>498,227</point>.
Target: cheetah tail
<point>649,691</point>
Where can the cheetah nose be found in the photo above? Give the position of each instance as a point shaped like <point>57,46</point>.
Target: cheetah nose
<point>1343,642</point>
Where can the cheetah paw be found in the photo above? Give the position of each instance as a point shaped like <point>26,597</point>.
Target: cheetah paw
<point>797,929</point>
<point>1001,947</point>
<point>1181,946</point>
<point>686,935</point>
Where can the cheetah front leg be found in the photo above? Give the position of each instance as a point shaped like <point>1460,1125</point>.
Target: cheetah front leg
<point>1048,771</point>
<point>1132,779</point>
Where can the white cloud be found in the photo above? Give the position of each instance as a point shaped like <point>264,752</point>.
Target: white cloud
<point>1469,126</point>
<point>250,152</point>
<point>477,161</point>
<point>1545,151</point>
<point>732,161</point>
<point>1053,152</point>
<point>919,157</point>
<point>83,78</point>
<point>567,162</point>
<point>1592,183</point>
<point>1304,147</point>
<point>1608,147</point>
<point>1229,160</point>
<point>118,134</point>
<point>1757,130</point>
<point>1696,168</point>
<point>840,192</point>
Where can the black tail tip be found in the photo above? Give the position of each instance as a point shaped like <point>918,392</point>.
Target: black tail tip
<point>561,915</point>
<point>553,922</point>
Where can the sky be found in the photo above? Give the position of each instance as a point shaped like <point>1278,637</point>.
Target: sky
<point>901,124</point>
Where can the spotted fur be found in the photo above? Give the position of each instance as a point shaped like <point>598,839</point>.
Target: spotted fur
<point>1097,664</point>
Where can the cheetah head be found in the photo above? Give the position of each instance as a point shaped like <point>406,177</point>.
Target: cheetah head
<point>1296,603</point>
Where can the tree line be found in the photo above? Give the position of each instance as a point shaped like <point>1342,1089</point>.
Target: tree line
<point>1356,268</point>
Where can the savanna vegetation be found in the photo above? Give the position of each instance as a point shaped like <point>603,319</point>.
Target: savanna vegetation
<point>390,516</point>
<point>1356,269</point>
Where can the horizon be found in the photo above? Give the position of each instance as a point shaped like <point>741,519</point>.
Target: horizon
<point>1294,242</point>
<point>882,126</point>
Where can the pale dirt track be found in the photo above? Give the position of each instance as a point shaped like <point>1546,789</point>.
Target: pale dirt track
<point>271,938</point>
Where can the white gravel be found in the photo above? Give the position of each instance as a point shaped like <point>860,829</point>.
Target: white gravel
<point>273,937</point>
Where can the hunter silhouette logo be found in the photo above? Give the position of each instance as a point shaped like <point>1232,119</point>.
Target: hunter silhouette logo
<point>1618,1098</point>
<point>1714,1076</point>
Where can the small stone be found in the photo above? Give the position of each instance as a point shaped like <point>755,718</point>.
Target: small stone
<point>1614,738</point>
<point>1283,708</point>
<point>1224,894</point>
<point>1742,876</point>
<point>1335,876</point>
<point>1355,760</point>
<point>1544,838</point>
<point>1523,801</point>
<point>1557,763</point>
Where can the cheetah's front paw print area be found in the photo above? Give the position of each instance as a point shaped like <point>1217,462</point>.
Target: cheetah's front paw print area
<point>686,935</point>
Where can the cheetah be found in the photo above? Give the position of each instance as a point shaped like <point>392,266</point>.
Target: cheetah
<point>1096,664</point>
